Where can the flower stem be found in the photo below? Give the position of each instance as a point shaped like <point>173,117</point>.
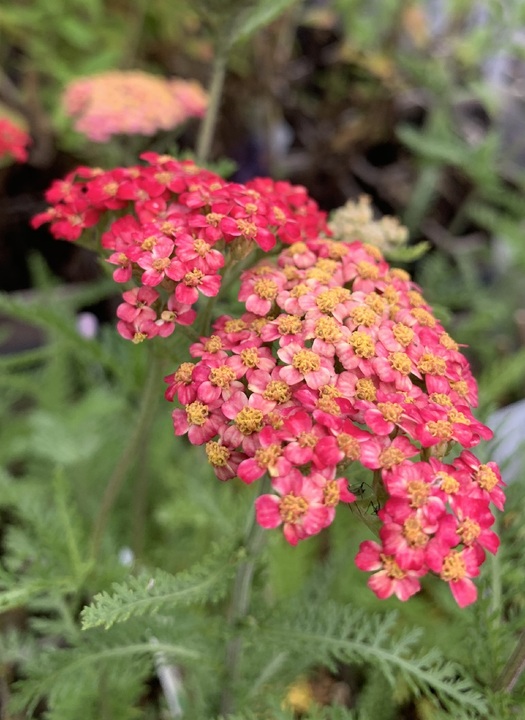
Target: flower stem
<point>514,668</point>
<point>207,128</point>
<point>148,405</point>
<point>240,602</point>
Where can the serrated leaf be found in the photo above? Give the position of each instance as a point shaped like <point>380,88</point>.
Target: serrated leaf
<point>149,593</point>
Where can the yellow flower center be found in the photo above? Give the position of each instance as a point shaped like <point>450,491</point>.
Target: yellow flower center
<point>336,250</point>
<point>292,508</point>
<point>307,440</point>
<point>222,376</point>
<point>160,264</point>
<point>454,568</point>
<point>327,329</point>
<point>299,290</point>
<point>149,243</point>
<point>289,324</point>
<point>400,362</point>
<point>111,188</point>
<point>349,446</point>
<point>218,455</point>
<point>201,247</point>
<point>423,317</point>
<point>469,531</point>
<point>277,391</point>
<point>461,387</point>
<point>486,478</point>
<point>266,289</point>
<point>373,251</point>
<point>447,342</point>
<point>432,364</point>
<point>363,315</point>
<point>265,457</point>
<point>415,298</point>
<point>138,337</point>
<point>376,302</point>
<point>455,416</point>
<point>297,248</point>
<point>213,344</point>
<point>418,492</point>
<point>250,357</point>
<point>400,274</point>
<point>365,389</point>
<point>391,568</point>
<point>390,456</point>
<point>234,326</point>
<point>184,373</point>
<point>331,493</point>
<point>249,420</point>
<point>441,399</point>
<point>328,405</point>
<point>248,229</point>
<point>414,534</point>
<point>363,345</point>
<point>441,429</point>
<point>391,412</point>
<point>403,334</point>
<point>197,413</point>
<point>214,219</point>
<point>367,271</point>
<point>306,361</point>
<point>193,278</point>
<point>328,300</point>
<point>448,483</point>
<point>391,295</point>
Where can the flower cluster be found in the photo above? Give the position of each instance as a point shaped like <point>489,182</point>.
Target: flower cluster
<point>131,103</point>
<point>13,141</point>
<point>339,360</point>
<point>356,220</point>
<point>175,223</point>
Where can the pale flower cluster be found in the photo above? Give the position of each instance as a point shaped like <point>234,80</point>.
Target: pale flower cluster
<point>355,220</point>
<point>131,103</point>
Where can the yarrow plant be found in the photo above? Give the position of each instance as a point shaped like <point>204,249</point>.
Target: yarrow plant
<point>13,141</point>
<point>131,103</point>
<point>335,362</point>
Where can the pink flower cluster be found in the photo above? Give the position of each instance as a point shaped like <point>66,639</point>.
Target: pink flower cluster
<point>176,221</point>
<point>339,360</point>
<point>13,141</point>
<point>131,103</point>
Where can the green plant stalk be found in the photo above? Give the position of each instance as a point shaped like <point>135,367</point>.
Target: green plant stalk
<point>138,439</point>
<point>514,668</point>
<point>240,603</point>
<point>208,125</point>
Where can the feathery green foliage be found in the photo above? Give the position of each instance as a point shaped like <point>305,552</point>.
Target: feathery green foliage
<point>208,582</point>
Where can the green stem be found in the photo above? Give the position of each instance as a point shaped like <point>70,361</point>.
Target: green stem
<point>514,668</point>
<point>240,602</point>
<point>208,125</point>
<point>137,441</point>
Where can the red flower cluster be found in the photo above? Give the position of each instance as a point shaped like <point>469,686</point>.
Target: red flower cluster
<point>339,360</point>
<point>131,103</point>
<point>175,223</point>
<point>13,141</point>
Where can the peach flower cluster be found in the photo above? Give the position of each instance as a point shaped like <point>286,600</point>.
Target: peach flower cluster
<point>131,103</point>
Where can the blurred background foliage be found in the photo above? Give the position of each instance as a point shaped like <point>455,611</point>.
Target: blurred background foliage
<point>417,103</point>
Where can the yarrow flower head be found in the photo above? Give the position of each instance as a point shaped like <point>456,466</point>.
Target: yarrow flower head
<point>336,361</point>
<point>178,226</point>
<point>13,141</point>
<point>131,103</point>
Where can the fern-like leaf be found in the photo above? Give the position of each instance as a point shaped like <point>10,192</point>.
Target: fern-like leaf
<point>147,594</point>
<point>332,634</point>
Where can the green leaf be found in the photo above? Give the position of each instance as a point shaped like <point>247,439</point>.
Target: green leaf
<point>256,17</point>
<point>149,593</point>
